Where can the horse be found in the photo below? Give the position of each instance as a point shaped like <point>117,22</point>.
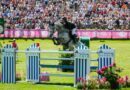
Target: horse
<point>63,37</point>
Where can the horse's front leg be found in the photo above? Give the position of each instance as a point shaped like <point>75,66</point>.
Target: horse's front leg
<point>56,41</point>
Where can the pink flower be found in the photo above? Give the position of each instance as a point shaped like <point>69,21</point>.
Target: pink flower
<point>100,72</point>
<point>111,66</point>
<point>121,81</point>
<point>81,80</point>
<point>78,79</point>
<point>126,78</point>
<point>103,80</point>
<point>104,68</point>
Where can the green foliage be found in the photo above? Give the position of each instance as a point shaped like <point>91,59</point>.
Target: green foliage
<point>81,83</point>
<point>18,77</point>
<point>103,84</point>
<point>118,69</point>
<point>79,86</point>
<point>66,62</point>
<point>92,84</point>
<point>128,83</point>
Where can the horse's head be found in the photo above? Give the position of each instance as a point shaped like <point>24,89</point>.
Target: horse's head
<point>59,26</point>
<point>56,27</point>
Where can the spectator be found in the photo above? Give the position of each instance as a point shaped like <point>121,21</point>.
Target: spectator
<point>37,14</point>
<point>118,23</point>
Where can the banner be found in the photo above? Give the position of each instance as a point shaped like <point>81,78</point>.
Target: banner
<point>129,34</point>
<point>11,33</point>
<point>85,33</point>
<point>37,34</point>
<point>121,34</point>
<point>40,33</point>
<point>44,34</point>
<point>6,34</point>
<point>103,34</point>
<point>17,33</point>
<point>25,33</point>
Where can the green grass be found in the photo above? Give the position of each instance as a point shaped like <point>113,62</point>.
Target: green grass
<point>122,52</point>
<point>29,86</point>
<point>122,58</point>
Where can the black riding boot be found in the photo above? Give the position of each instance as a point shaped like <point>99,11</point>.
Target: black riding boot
<point>74,37</point>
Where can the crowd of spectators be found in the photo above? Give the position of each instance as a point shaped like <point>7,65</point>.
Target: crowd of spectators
<point>91,14</point>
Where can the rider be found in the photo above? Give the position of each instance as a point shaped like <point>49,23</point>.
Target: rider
<point>71,27</point>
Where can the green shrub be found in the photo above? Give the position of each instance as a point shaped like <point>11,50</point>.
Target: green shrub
<point>127,81</point>
<point>18,77</point>
<point>87,84</point>
<point>66,62</point>
<point>80,86</point>
<point>103,84</point>
<point>92,84</point>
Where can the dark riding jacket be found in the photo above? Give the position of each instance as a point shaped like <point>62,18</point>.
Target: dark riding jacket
<point>69,26</point>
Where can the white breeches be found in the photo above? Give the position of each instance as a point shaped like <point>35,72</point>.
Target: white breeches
<point>74,31</point>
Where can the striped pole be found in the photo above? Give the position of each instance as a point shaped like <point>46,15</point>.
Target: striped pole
<point>106,56</point>
<point>81,63</point>
<point>8,64</point>
<point>33,62</point>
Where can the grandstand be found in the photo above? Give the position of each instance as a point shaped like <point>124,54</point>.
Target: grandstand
<point>86,14</point>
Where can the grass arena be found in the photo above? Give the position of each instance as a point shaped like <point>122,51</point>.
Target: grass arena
<point>62,83</point>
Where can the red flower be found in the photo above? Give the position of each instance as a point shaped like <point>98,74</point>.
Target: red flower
<point>78,79</point>
<point>114,64</point>
<point>38,44</point>
<point>81,80</point>
<point>100,72</point>
<point>104,79</point>
<point>104,68</point>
